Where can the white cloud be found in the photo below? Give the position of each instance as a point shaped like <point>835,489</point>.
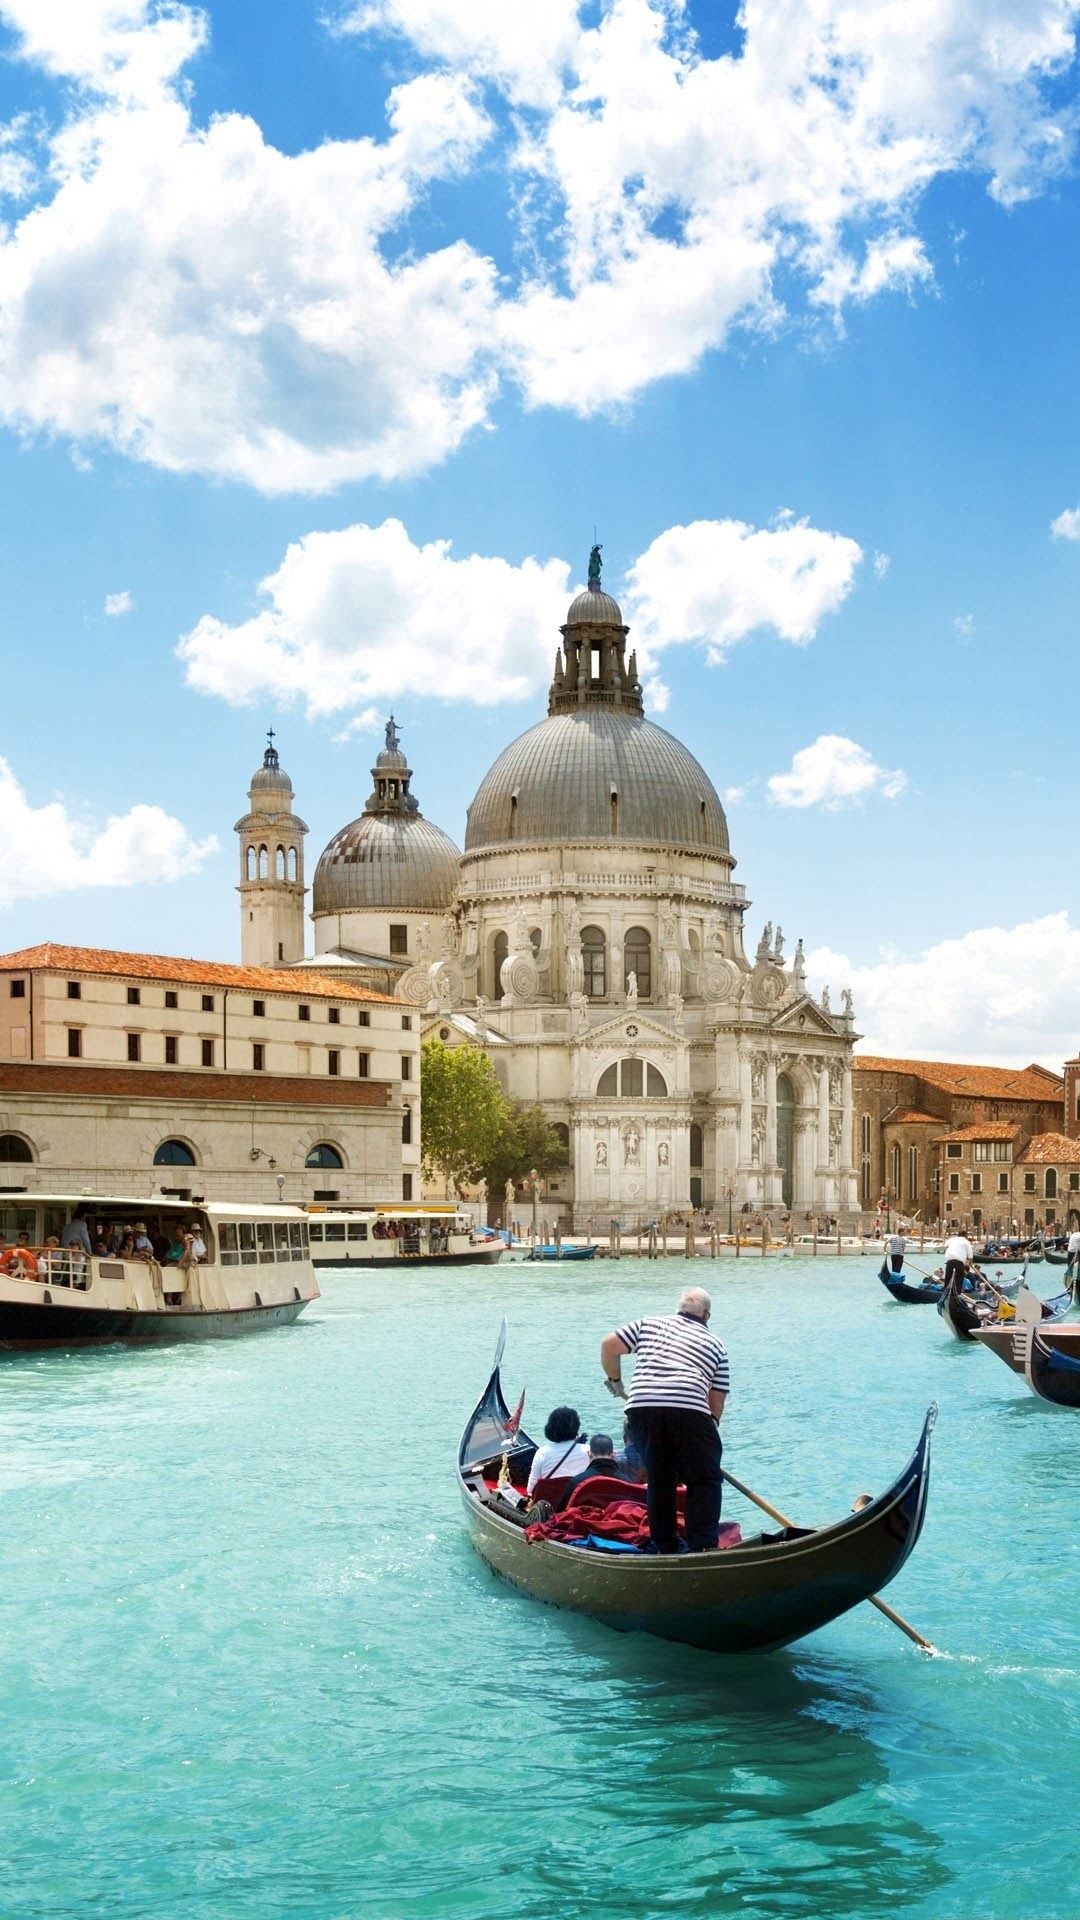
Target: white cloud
<point>193,297</point>
<point>718,581</point>
<point>364,614</point>
<point>1004,995</point>
<point>833,772</point>
<point>964,627</point>
<point>1067,525</point>
<point>882,563</point>
<point>45,850</point>
<point>118,603</point>
<point>197,299</point>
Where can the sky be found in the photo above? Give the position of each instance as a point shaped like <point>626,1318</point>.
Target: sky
<point>332,332</point>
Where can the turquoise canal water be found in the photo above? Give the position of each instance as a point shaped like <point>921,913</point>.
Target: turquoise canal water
<point>250,1666</point>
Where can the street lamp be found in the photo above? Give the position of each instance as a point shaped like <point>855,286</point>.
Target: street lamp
<point>730,1198</point>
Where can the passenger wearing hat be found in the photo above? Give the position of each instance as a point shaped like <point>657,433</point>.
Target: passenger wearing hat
<point>144,1246</point>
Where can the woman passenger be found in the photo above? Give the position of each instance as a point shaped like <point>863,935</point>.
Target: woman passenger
<point>565,1452</point>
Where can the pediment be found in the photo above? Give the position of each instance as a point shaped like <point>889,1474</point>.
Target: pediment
<point>629,1028</point>
<point>805,1017</point>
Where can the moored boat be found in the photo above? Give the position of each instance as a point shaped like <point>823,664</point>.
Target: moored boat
<point>564,1251</point>
<point>420,1236</point>
<point>763,1593</point>
<point>146,1278</point>
<point>1051,1374</point>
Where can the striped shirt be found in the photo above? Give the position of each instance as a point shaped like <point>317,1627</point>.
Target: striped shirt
<point>678,1361</point>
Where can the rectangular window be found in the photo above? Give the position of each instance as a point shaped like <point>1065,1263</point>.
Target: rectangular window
<point>1029,1183</point>
<point>363,1018</point>
<point>74,990</point>
<point>172,998</point>
<point>333,1062</point>
<point>363,1067</point>
<point>258,1008</point>
<point>406,1186</point>
<point>1003,1183</point>
<point>954,1183</point>
<point>208,1003</point>
<point>258,1056</point>
<point>406,1066</point>
<point>633,1079</point>
<point>18,989</point>
<point>208,1053</point>
<point>399,939</point>
<point>134,1045</point>
<point>303,1012</point>
<point>1074,1182</point>
<point>172,1049</point>
<point>334,1016</point>
<point>74,1043</point>
<point>976,1183</point>
<point>406,1127</point>
<point>954,1151</point>
<point>134,996</point>
<point>406,1022</point>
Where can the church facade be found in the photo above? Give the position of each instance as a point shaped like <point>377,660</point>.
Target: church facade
<point>591,935</point>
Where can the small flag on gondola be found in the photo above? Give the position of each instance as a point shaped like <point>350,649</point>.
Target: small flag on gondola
<point>514,1421</point>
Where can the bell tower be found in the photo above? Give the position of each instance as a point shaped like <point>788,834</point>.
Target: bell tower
<point>271,886</point>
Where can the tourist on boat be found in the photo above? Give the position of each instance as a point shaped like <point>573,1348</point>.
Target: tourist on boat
<point>564,1453</point>
<point>602,1461</point>
<point>52,1262</point>
<point>76,1233</point>
<point>959,1255</point>
<point>894,1247</point>
<point>680,1385</point>
<point>144,1248</point>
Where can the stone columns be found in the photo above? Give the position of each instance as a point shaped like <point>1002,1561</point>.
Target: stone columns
<point>746,1101</point>
<point>823,1114</point>
<point>770,1112</point>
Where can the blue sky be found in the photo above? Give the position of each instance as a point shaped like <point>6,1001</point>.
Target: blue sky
<point>328,332</point>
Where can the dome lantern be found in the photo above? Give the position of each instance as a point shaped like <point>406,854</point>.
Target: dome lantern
<point>591,670</point>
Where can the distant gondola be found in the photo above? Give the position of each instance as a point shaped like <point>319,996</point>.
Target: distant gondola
<point>750,1598</point>
<point>964,1312</point>
<point>911,1293</point>
<point>1050,1374</point>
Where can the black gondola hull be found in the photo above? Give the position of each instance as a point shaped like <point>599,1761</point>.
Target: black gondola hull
<point>909,1294</point>
<point>746,1599</point>
<point>1050,1373</point>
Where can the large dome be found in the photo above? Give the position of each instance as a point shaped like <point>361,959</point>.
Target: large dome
<point>597,773</point>
<point>391,856</point>
<point>378,861</point>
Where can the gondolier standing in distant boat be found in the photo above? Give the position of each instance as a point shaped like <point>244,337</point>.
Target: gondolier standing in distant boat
<point>894,1247</point>
<point>681,1382</point>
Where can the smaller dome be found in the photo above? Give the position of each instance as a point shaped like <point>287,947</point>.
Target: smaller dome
<point>380,862</point>
<point>271,776</point>
<point>594,608</point>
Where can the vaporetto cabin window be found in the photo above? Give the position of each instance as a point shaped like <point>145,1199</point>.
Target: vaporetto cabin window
<point>630,1079</point>
<point>174,1153</point>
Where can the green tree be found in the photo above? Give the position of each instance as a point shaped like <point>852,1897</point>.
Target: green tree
<point>462,1109</point>
<point>526,1140</point>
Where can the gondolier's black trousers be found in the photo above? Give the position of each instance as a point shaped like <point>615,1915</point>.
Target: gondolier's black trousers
<point>955,1270</point>
<point>679,1446</point>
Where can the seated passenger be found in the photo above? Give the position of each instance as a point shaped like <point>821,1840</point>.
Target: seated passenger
<point>52,1263</point>
<point>604,1462</point>
<point>564,1454</point>
<point>126,1249</point>
<point>174,1252</point>
<point>143,1247</point>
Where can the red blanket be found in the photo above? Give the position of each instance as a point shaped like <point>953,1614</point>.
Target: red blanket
<point>624,1520</point>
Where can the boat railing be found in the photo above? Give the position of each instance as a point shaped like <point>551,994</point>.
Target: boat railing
<point>50,1266</point>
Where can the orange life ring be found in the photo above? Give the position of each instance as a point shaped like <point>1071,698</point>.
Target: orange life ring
<point>19,1261</point>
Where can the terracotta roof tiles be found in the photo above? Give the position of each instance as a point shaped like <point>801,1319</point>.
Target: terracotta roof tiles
<point>984,1130</point>
<point>50,958</point>
<point>1051,1149</point>
<point>991,1083</point>
<point>911,1117</point>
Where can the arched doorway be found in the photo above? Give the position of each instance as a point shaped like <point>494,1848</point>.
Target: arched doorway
<point>785,1137</point>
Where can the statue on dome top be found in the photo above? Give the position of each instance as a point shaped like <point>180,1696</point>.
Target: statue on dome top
<point>594,568</point>
<point>393,738</point>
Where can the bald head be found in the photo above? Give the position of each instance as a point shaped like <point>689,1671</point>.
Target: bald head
<point>695,1300</point>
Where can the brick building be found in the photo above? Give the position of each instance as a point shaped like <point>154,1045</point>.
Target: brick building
<point>141,1073</point>
<point>921,1123</point>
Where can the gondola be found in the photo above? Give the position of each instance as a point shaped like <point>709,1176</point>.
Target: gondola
<point>750,1598</point>
<point>1055,1258</point>
<point>911,1293</point>
<point>1050,1374</point>
<point>964,1312</point>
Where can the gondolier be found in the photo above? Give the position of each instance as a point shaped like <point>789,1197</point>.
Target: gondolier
<point>958,1258</point>
<point>681,1382</point>
<point>894,1247</point>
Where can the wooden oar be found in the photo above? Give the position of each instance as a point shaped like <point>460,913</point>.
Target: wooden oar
<point>875,1600</point>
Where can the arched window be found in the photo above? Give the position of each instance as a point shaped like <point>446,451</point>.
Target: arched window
<point>406,1127</point>
<point>500,949</point>
<point>913,1175</point>
<point>536,940</point>
<point>252,864</point>
<point>594,954</point>
<point>629,1079</point>
<point>292,863</point>
<point>279,864</point>
<point>637,959</point>
<point>324,1155</point>
<point>1050,1183</point>
<point>697,1145</point>
<point>264,864</point>
<point>894,1164</point>
<point>174,1153</point>
<point>14,1147</point>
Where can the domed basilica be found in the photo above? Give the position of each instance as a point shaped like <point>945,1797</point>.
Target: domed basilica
<point>591,937</point>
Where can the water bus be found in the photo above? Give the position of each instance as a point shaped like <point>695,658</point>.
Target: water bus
<point>421,1236</point>
<point>158,1269</point>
